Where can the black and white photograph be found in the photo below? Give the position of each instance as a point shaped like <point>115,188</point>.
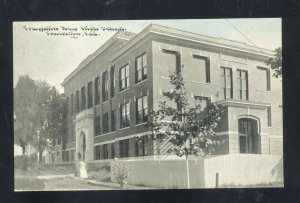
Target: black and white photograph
<point>148,104</point>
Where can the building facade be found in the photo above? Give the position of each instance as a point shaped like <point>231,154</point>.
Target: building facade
<point>113,90</point>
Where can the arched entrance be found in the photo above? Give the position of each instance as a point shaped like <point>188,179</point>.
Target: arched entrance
<point>82,146</point>
<point>249,139</point>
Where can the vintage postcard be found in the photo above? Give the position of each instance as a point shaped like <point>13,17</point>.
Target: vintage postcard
<point>147,104</point>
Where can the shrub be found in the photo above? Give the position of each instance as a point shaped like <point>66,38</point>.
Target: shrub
<point>121,173</point>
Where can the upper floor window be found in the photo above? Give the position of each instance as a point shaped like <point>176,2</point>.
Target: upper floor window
<point>142,109</point>
<point>72,104</point>
<point>202,69</point>
<point>124,77</point>
<point>226,82</point>
<point>104,86</point>
<point>97,91</point>
<point>90,95</point>
<point>113,120</point>
<point>266,78</point>
<point>105,125</point>
<point>112,82</point>
<point>97,126</point>
<point>125,115</point>
<point>172,60</point>
<point>141,68</point>
<point>83,106</point>
<point>242,77</point>
<point>77,101</point>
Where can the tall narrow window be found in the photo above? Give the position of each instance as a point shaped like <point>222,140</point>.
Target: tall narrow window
<point>83,98</point>
<point>97,91</point>
<point>124,77</point>
<point>202,69</point>
<point>269,111</point>
<point>77,102</point>
<point>90,95</point>
<point>72,104</point>
<point>266,78</point>
<point>104,86</point>
<point>243,84</point>
<point>97,126</point>
<point>105,151</point>
<point>141,68</point>
<point>226,82</point>
<point>142,109</point>
<point>105,123</point>
<point>140,148</point>
<point>97,152</point>
<point>125,115</point>
<point>113,120</point>
<point>124,148</point>
<point>112,150</point>
<point>112,82</point>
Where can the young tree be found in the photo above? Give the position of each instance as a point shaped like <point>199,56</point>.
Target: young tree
<point>276,63</point>
<point>189,128</point>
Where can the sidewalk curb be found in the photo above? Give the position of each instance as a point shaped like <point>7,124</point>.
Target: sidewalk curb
<point>116,186</point>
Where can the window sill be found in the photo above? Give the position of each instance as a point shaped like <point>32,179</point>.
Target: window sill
<point>266,91</point>
<point>198,82</point>
<point>124,128</point>
<point>144,123</point>
<point>164,77</point>
<point>140,82</point>
<point>124,90</point>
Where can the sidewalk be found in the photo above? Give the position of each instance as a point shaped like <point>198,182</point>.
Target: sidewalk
<point>116,186</point>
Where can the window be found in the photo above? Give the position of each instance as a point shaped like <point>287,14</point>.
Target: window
<point>112,150</point>
<point>140,149</point>
<point>249,140</point>
<point>90,95</point>
<point>243,84</point>
<point>97,152</point>
<point>172,58</point>
<point>83,98</point>
<point>105,151</point>
<point>266,78</point>
<point>72,104</point>
<point>124,148</point>
<point>124,77</point>
<point>105,123</point>
<point>269,111</point>
<point>203,101</point>
<point>97,91</point>
<point>113,120</point>
<point>112,82</point>
<point>141,68</point>
<point>65,156</point>
<point>68,106</point>
<point>77,101</point>
<point>203,68</point>
<point>104,86</point>
<point>72,158</point>
<point>125,115</point>
<point>141,109</point>
<point>226,82</point>
<point>97,126</point>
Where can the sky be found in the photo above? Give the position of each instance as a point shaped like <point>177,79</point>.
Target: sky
<point>51,57</point>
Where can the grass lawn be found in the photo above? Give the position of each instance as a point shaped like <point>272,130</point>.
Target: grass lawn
<point>33,180</point>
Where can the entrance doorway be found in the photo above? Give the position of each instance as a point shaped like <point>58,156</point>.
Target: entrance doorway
<point>249,139</point>
<point>82,146</point>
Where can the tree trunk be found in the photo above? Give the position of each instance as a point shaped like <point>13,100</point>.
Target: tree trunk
<point>187,170</point>
<point>40,156</point>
